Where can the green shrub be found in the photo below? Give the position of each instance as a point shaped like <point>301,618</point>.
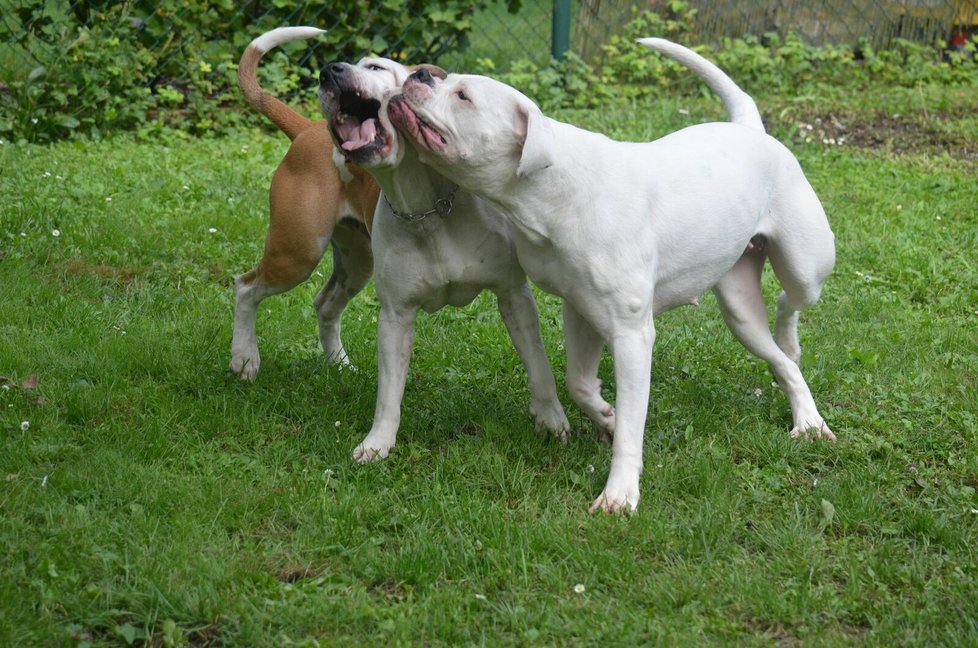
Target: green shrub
<point>91,68</point>
<point>95,67</point>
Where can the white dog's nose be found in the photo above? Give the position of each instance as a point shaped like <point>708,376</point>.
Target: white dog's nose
<point>423,76</point>
<point>333,72</point>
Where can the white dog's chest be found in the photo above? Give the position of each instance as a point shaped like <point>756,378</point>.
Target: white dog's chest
<point>452,294</point>
<point>447,266</point>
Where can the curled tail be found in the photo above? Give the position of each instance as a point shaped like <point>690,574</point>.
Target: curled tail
<point>739,104</point>
<point>289,121</point>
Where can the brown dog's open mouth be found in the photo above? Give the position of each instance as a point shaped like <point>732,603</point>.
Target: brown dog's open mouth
<point>408,121</point>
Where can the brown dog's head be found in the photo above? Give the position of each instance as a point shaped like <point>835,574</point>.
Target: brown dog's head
<point>354,100</point>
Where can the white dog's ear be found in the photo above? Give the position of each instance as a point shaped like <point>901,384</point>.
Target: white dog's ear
<point>538,140</point>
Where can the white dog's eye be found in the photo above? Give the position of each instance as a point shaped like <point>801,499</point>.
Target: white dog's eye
<point>373,67</point>
<point>461,95</point>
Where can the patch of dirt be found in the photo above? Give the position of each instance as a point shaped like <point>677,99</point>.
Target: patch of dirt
<point>916,134</point>
<point>293,573</point>
<point>79,268</point>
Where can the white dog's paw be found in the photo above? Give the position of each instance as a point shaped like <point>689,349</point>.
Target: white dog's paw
<point>244,364</point>
<point>604,425</point>
<point>340,359</point>
<point>372,450</point>
<point>615,500</point>
<point>551,419</point>
<point>810,431</point>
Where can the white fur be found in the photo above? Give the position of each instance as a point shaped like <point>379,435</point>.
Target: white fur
<point>625,231</point>
<point>435,262</point>
<point>739,104</point>
<point>272,39</point>
<point>339,161</point>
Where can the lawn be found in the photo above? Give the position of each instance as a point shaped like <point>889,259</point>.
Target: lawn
<point>147,496</point>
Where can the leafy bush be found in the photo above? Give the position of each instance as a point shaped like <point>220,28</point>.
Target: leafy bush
<point>93,67</point>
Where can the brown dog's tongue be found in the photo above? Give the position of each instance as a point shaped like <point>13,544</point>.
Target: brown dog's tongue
<point>357,137</point>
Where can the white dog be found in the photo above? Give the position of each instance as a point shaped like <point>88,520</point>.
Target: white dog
<point>625,231</point>
<point>434,244</point>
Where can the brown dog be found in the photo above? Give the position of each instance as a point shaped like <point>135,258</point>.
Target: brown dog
<point>315,199</point>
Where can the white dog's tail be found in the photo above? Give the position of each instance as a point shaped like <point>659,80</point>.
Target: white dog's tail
<point>739,104</point>
<point>289,121</point>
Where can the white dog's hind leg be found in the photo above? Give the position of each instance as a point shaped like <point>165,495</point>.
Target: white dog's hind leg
<point>786,329</point>
<point>395,338</point>
<point>632,353</point>
<point>802,256</point>
<point>352,268</point>
<point>742,304</point>
<point>583,346</point>
<point>519,312</point>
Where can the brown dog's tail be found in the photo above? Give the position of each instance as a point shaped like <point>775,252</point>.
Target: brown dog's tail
<point>289,121</point>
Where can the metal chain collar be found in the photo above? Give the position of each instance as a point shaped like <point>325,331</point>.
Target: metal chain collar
<point>443,207</point>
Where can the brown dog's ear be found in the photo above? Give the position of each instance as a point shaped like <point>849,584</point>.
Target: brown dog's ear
<point>433,70</point>
<point>538,139</point>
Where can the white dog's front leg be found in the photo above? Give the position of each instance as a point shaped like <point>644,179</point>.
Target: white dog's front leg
<point>519,312</point>
<point>584,346</point>
<point>395,338</point>
<point>632,353</point>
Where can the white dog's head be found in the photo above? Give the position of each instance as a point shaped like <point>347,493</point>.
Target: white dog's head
<point>475,130</point>
<point>353,98</point>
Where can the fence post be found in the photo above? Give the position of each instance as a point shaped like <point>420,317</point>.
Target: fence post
<point>560,35</point>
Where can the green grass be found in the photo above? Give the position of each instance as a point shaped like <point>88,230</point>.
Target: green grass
<point>155,499</point>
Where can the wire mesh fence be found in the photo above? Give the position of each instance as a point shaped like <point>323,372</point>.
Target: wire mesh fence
<point>876,23</point>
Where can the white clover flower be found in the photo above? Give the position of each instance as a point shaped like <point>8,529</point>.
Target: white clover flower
<point>212,230</point>
<point>579,588</point>
<point>590,468</point>
<point>108,199</point>
<point>55,233</point>
<point>337,424</point>
<point>46,174</point>
<point>25,425</point>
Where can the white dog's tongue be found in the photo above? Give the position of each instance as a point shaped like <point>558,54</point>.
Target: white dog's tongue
<point>357,137</point>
